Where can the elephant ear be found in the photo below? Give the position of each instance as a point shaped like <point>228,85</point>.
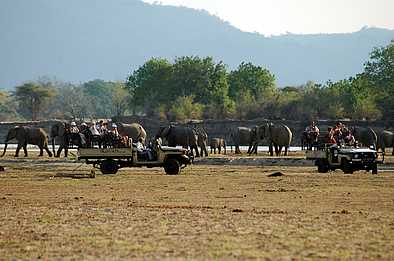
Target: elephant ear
<point>20,132</point>
<point>62,129</point>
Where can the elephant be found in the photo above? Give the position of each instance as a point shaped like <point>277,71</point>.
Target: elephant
<point>61,130</point>
<point>218,143</point>
<point>277,135</point>
<point>365,136</point>
<point>179,135</point>
<point>28,135</point>
<point>243,136</point>
<point>134,131</point>
<point>202,141</point>
<point>385,140</point>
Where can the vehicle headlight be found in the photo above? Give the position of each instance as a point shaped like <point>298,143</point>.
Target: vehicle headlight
<point>356,156</point>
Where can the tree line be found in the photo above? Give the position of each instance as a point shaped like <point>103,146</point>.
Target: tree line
<point>192,87</point>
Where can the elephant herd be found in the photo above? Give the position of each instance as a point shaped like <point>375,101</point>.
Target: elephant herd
<point>277,137</point>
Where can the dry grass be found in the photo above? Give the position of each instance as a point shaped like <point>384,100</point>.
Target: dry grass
<point>207,213</point>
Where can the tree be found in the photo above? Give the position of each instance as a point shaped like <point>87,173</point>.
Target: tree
<point>149,86</point>
<point>255,79</point>
<point>72,102</point>
<point>120,99</point>
<point>206,81</point>
<point>100,93</point>
<point>184,108</point>
<point>32,98</point>
<point>379,71</point>
<point>8,107</point>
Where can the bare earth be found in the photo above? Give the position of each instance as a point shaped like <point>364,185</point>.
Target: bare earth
<point>207,213</point>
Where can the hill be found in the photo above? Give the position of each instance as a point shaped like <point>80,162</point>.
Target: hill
<point>82,40</point>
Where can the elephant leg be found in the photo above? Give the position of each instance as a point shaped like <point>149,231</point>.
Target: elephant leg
<point>17,150</point>
<point>237,150</point>
<point>65,152</point>
<point>197,153</point>
<point>276,150</point>
<point>219,150</point>
<point>59,150</point>
<point>271,150</point>
<point>48,151</point>
<point>255,147</point>
<point>41,151</point>
<point>250,148</point>
<point>280,150</point>
<point>286,149</point>
<point>25,149</point>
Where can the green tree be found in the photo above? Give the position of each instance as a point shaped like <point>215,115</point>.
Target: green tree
<point>255,79</point>
<point>32,98</point>
<point>8,107</point>
<point>120,99</point>
<point>149,86</point>
<point>72,102</point>
<point>185,108</point>
<point>100,93</point>
<point>379,71</point>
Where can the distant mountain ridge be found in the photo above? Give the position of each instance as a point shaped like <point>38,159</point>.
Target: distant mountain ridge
<point>78,40</point>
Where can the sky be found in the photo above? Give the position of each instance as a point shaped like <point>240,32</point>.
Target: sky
<point>274,17</point>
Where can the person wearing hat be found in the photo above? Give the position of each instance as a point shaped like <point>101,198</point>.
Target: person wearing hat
<point>73,127</point>
<point>114,129</point>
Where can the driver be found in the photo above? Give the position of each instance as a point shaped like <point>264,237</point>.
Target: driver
<point>312,129</point>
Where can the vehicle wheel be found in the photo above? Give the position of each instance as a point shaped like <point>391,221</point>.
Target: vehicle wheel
<point>347,167</point>
<point>375,169</point>
<point>109,167</point>
<point>322,166</point>
<point>172,167</point>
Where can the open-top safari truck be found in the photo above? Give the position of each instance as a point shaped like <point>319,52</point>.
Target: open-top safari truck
<point>349,159</point>
<point>109,160</point>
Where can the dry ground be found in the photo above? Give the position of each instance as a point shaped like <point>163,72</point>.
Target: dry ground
<point>207,213</point>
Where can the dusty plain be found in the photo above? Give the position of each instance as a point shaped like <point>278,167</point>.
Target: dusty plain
<point>206,213</point>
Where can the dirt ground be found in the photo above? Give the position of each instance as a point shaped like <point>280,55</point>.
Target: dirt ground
<point>206,213</point>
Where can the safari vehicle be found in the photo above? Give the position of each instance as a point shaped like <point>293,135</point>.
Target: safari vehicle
<point>348,159</point>
<point>110,160</point>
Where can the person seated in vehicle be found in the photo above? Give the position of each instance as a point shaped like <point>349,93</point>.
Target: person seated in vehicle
<point>312,133</point>
<point>93,130</point>
<point>73,127</point>
<point>337,132</point>
<point>84,127</point>
<point>330,136</point>
<point>144,153</point>
<point>312,129</point>
<point>348,137</point>
<point>114,130</point>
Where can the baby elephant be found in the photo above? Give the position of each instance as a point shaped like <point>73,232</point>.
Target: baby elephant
<point>217,143</point>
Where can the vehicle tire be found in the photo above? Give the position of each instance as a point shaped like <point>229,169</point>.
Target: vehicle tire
<point>172,166</point>
<point>322,166</point>
<point>109,167</point>
<point>375,169</point>
<point>347,167</point>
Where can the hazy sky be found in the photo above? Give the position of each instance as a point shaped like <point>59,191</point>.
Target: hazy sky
<point>272,17</point>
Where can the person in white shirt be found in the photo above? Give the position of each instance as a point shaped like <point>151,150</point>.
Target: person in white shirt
<point>94,130</point>
<point>73,127</point>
